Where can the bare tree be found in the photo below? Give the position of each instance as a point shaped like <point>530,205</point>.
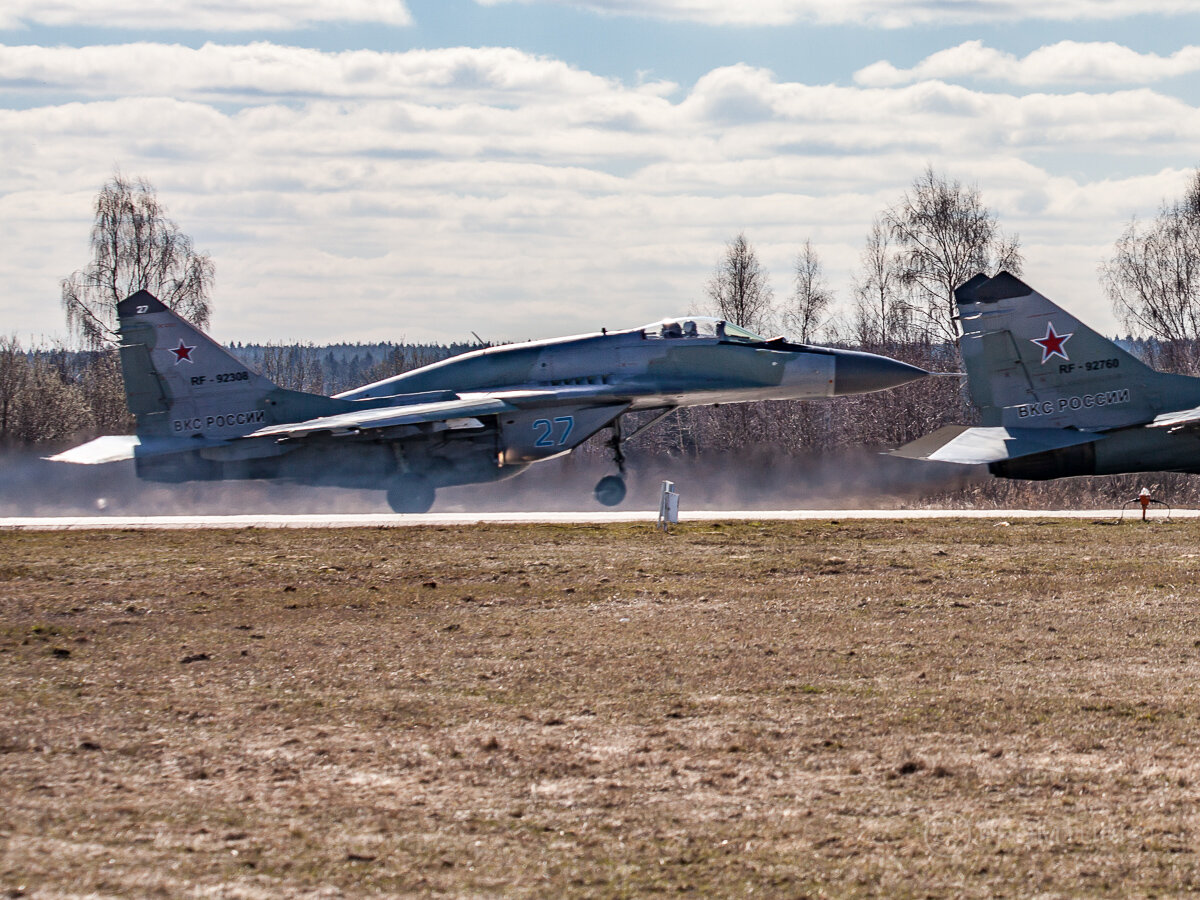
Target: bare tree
<point>740,290</point>
<point>296,367</point>
<point>882,298</point>
<point>404,358</point>
<point>1153,277</point>
<point>42,401</point>
<point>944,235</point>
<point>103,387</point>
<point>811,296</point>
<point>14,370</point>
<point>134,247</point>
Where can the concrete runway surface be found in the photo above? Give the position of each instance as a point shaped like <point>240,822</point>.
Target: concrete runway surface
<point>383,520</point>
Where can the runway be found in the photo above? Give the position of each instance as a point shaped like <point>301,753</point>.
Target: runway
<point>373,520</point>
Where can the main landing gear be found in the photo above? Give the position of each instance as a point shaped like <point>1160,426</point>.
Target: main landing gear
<point>410,494</point>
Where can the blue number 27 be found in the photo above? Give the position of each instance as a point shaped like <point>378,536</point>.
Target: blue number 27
<point>546,429</point>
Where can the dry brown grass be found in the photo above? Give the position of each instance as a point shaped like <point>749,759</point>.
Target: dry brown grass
<point>889,709</point>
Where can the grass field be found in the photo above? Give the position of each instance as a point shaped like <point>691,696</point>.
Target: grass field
<point>944,708</point>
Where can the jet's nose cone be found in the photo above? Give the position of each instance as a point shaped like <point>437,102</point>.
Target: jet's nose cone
<point>861,373</point>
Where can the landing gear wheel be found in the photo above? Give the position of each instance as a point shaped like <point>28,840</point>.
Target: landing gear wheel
<point>411,495</point>
<point>610,490</point>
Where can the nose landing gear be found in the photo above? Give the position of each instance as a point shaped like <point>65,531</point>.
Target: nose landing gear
<point>610,490</point>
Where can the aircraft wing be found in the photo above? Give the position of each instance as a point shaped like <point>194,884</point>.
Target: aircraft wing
<point>975,446</point>
<point>1176,419</point>
<point>114,448</point>
<point>467,406</point>
<point>389,417</point>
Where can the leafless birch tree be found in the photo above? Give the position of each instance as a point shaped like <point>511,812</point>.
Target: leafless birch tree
<point>943,235</point>
<point>740,290</point>
<point>134,247</point>
<point>811,297</point>
<point>1153,277</point>
<point>882,306</point>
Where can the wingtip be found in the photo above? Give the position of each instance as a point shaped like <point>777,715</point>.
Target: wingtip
<point>981,289</point>
<point>139,304</point>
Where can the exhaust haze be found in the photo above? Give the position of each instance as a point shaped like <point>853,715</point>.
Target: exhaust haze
<point>854,478</point>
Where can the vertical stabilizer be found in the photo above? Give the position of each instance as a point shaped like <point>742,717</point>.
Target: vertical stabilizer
<point>180,383</point>
<point>1031,364</point>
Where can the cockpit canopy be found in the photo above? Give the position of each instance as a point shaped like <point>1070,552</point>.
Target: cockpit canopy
<point>700,327</point>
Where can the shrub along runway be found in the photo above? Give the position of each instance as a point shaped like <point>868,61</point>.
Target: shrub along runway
<point>852,708</point>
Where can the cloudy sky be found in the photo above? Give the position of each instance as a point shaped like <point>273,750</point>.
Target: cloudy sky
<point>421,169</point>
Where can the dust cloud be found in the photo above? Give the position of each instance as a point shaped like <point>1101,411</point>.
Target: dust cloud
<point>853,478</point>
<point>856,478</point>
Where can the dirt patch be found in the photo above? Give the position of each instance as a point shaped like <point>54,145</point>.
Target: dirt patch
<point>818,708</point>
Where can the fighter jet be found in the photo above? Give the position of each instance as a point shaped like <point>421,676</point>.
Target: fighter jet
<point>1058,399</point>
<point>481,416</point>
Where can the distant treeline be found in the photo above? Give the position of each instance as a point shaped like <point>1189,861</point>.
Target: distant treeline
<point>333,368</point>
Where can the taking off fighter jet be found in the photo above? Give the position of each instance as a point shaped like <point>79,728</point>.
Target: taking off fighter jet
<point>1057,398</point>
<point>482,416</point>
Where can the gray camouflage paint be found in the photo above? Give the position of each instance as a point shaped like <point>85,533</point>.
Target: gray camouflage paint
<point>1058,399</point>
<point>201,414</point>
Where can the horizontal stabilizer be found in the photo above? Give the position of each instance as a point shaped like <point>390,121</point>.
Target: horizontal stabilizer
<point>1176,419</point>
<point>976,446</point>
<point>118,447</point>
<point>110,448</point>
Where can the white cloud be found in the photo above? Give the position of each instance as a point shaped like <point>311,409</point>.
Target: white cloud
<point>421,194</point>
<point>254,71</point>
<point>1067,62</point>
<point>205,15</point>
<point>880,13</point>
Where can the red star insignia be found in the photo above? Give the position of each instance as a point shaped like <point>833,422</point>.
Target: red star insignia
<point>1052,344</point>
<point>182,352</point>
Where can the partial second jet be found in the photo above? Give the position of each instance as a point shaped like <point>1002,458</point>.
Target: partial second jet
<point>482,416</point>
<point>1057,399</point>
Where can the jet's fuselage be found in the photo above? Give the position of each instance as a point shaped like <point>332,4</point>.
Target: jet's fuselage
<point>667,364</point>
